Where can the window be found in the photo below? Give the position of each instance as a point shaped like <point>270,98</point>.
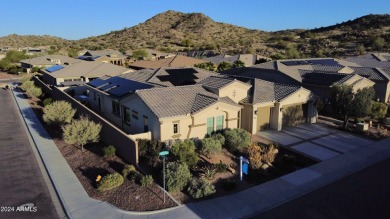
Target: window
<point>146,125</point>
<point>115,108</point>
<point>126,115</point>
<point>210,125</point>
<point>175,128</point>
<point>135,114</point>
<point>219,123</point>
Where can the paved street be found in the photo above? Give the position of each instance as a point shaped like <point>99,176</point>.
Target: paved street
<point>364,194</point>
<point>21,180</point>
<point>316,140</point>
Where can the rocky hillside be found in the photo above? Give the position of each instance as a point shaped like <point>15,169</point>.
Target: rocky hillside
<point>175,31</point>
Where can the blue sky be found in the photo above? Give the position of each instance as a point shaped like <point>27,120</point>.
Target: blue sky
<point>75,19</point>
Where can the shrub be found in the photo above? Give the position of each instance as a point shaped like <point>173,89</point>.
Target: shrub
<point>109,151</point>
<point>220,167</point>
<point>219,137</point>
<point>382,132</point>
<point>58,112</point>
<point>229,184</point>
<point>209,146</point>
<point>146,180</point>
<point>359,120</point>
<point>184,151</point>
<point>26,85</point>
<point>177,176</point>
<point>208,172</point>
<point>34,91</point>
<point>81,132</point>
<point>150,150</point>
<point>199,188</point>
<point>47,102</point>
<point>260,155</point>
<point>110,181</point>
<point>25,78</point>
<point>237,139</point>
<point>128,169</point>
<point>378,110</point>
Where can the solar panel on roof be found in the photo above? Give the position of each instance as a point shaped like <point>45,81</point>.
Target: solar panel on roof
<point>290,63</point>
<point>54,68</point>
<point>97,82</point>
<point>128,87</point>
<point>106,87</point>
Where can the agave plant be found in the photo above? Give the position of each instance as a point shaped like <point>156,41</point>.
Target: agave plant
<point>207,172</point>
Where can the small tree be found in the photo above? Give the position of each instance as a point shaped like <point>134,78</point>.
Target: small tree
<point>27,85</point>
<point>139,54</point>
<point>361,49</point>
<point>58,112</point>
<point>349,104</point>
<point>81,132</point>
<point>34,91</point>
<point>237,139</point>
<point>206,65</point>
<point>210,146</point>
<point>177,176</point>
<point>224,66</point>
<point>25,78</point>
<point>184,151</point>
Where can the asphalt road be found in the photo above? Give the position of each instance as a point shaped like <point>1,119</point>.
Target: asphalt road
<point>21,180</point>
<point>365,194</point>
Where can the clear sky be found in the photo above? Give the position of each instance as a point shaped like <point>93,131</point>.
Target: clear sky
<point>75,19</point>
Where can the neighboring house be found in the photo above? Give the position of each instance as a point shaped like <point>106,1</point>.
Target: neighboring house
<point>177,61</point>
<point>373,60</point>
<point>197,103</point>
<point>107,56</point>
<point>319,75</point>
<point>153,55</point>
<point>32,50</point>
<point>247,59</point>
<point>47,61</point>
<point>80,72</point>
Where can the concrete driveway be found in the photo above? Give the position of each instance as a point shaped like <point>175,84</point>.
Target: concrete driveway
<point>316,141</point>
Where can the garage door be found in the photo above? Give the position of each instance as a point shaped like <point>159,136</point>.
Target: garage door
<point>294,115</point>
<point>263,118</point>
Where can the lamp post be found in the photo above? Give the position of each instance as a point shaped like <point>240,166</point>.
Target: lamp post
<point>163,154</point>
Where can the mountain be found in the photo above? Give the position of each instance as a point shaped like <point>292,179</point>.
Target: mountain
<point>176,31</point>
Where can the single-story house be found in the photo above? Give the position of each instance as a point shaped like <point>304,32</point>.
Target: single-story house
<point>176,61</point>
<point>47,61</point>
<point>247,59</point>
<point>140,102</point>
<point>79,73</point>
<point>107,56</point>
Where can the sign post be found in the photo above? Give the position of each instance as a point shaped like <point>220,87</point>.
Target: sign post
<point>163,154</point>
<point>245,169</point>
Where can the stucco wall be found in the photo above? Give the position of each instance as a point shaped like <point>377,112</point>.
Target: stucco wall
<point>263,118</point>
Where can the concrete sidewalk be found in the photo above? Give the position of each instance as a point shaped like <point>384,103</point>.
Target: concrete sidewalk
<point>244,204</point>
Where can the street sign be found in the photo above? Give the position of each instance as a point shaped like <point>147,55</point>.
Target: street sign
<point>163,153</point>
<point>245,168</point>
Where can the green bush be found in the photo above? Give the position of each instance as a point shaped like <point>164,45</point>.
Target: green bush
<point>47,102</point>
<point>128,169</point>
<point>199,188</point>
<point>109,151</point>
<point>58,112</point>
<point>146,180</point>
<point>34,91</point>
<point>219,137</point>
<point>220,167</point>
<point>110,181</point>
<point>25,78</point>
<point>209,146</point>
<point>149,150</point>
<point>184,151</point>
<point>177,176</point>
<point>237,139</point>
<point>27,85</point>
<point>378,110</point>
<point>359,120</point>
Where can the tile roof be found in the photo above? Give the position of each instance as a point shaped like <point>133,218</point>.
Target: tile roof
<point>177,61</point>
<point>50,60</point>
<point>178,101</point>
<point>215,82</point>
<point>88,69</point>
<point>370,73</point>
<point>373,60</point>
